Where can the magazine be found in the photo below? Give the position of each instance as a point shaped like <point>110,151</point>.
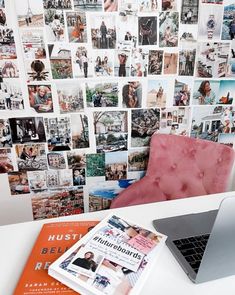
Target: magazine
<point>53,240</point>
<point>115,257</point>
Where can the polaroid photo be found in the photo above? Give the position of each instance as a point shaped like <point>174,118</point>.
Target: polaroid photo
<point>147,30</point>
<point>5,134</point>
<point>95,164</point>
<point>37,180</point>
<point>170,63</point>
<point>116,165</point>
<point>82,58</point>
<point>6,164</point>
<point>131,92</point>
<point>188,34</point>
<point>31,157</point>
<point>18,183</point>
<point>187,61</point>
<point>155,62</point>
<point>110,5</point>
<point>189,12</point>
<point>49,4</point>
<point>90,6</point>
<point>127,33</point>
<point>205,92</point>
<point>139,62</point>
<point>55,25</point>
<point>76,27</point>
<point>7,44</point>
<point>11,94</point>
<point>103,62</point>
<point>122,63</point>
<point>231,61</point>
<point>79,176</point>
<point>226,92</point>
<point>70,96</point>
<point>40,98</point>
<point>148,6</point>
<point>80,131</point>
<point>157,93</point>
<point>168,29</point>
<point>228,27</point>
<point>169,5</point>
<point>76,159</point>
<point>56,160</point>
<point>37,70</point>
<point>182,91</point>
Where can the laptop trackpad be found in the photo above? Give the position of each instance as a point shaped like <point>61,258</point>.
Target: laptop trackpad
<point>186,225</point>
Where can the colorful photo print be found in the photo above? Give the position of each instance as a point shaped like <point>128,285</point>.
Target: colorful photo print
<point>57,4</point>
<point>187,62</point>
<point>144,123</point>
<point>27,129</point>
<point>33,44</point>
<point>138,159</point>
<point>175,120</point>
<point>182,92</point>
<point>103,63</point>
<point>11,97</point>
<point>40,98</point>
<point>147,30</point>
<point>59,178</point>
<point>210,22</point>
<point>31,157</point>
<point>92,5</point>
<point>110,5</point>
<point>6,160</point>
<point>157,93</point>
<point>5,133</point>
<point>205,92</point>
<point>58,132</point>
<point>228,27</point>
<point>80,131</point>
<point>132,94</point>
<point>168,29</point>
<point>139,62</point>
<point>9,69</point>
<point>170,63</point>
<point>55,27</point>
<point>18,183</point>
<point>169,5</point>
<point>103,31</point>
<point>110,130</point>
<point>79,176</point>
<point>155,62</point>
<point>226,92</point>
<point>127,33</point>
<point>37,70</point>
<point>82,62</point>
<point>7,42</point>
<point>76,159</point>
<point>102,94</point>
<point>210,121</point>
<point>61,202</point>
<point>189,12</point>
<point>115,165</point>
<point>95,164</point>
<point>98,203</point>
<point>37,180</point>
<point>122,63</point>
<point>29,13</point>
<point>227,139</point>
<point>61,63</point>
<point>70,96</point>
<point>212,60</point>
<point>56,160</point>
<point>76,26</point>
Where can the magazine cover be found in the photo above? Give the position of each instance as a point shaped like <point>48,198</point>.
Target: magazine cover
<point>115,257</point>
<point>53,240</point>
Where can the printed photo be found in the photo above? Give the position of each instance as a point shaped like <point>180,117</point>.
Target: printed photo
<point>61,202</point>
<point>57,4</point>
<point>205,92</point>
<point>168,29</point>
<point>82,62</point>
<point>182,92</point>
<point>148,5</point>
<point>147,30</point>
<point>59,178</point>
<point>170,63</point>
<point>228,26</point>
<point>9,69</point>
<point>92,5</point>
<point>231,62</point>
<point>102,94</point>
<point>18,183</point>
<point>122,63</point>
<point>76,26</point>
<point>61,63</point>
<point>56,160</point>
<point>70,96</point>
<point>226,92</point>
<point>79,176</point>
<point>33,44</point>
<point>213,1</point>
<point>189,12</point>
<point>27,129</point>
<point>58,132</point>
<point>95,165</point>
<point>98,203</point>
<point>127,33</point>
<point>7,42</point>
<point>103,31</point>
<point>37,70</point>
<point>139,62</point>
<point>103,63</point>
<point>6,160</point>
<point>212,60</point>
<point>138,159</point>
<point>128,7</point>
<point>31,157</point>
<point>37,180</point>
<point>132,94</point>
<point>55,27</point>
<point>144,123</point>
<point>80,131</point>
<point>2,3</point>
<point>155,62</point>
<point>11,97</point>
<point>5,133</point>
<point>169,5</point>
<point>3,19</point>
<point>157,93</point>
<point>40,98</point>
<point>115,165</point>
<point>187,62</point>
<point>29,13</point>
<point>76,159</point>
<point>188,34</point>
<point>227,139</point>
<point>110,5</point>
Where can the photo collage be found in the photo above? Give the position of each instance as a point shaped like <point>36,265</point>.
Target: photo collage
<point>89,83</point>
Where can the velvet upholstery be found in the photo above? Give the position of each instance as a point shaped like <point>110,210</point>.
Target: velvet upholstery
<point>180,167</point>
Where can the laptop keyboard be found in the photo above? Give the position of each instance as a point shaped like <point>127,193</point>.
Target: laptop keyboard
<point>192,249</point>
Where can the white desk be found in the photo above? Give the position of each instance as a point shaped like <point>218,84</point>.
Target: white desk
<point>17,240</point>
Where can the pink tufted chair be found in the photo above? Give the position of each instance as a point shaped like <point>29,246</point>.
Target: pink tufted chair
<point>180,167</point>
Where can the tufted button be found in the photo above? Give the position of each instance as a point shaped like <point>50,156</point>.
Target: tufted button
<point>157,180</point>
<point>201,174</point>
<point>219,160</point>
<point>193,152</point>
<point>184,187</point>
<point>173,167</point>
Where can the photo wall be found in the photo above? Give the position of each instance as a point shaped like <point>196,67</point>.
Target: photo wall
<point>84,85</point>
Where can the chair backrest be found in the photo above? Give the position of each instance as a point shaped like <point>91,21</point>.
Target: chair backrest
<point>180,167</point>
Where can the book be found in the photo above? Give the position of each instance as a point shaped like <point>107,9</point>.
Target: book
<point>115,257</point>
<point>53,240</point>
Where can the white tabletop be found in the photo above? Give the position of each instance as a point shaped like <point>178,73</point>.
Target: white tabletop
<point>17,240</point>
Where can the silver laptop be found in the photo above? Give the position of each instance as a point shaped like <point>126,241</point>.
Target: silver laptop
<point>203,243</point>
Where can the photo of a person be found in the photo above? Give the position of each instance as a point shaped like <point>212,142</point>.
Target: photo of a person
<point>40,98</point>
<point>147,30</point>
<point>122,57</point>
<point>86,262</point>
<point>205,94</point>
<point>76,23</point>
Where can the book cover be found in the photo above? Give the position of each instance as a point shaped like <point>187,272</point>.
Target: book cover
<point>53,240</point>
<point>115,257</point>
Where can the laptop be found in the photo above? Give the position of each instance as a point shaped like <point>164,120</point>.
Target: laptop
<point>203,243</point>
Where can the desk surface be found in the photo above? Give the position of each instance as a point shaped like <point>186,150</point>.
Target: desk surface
<point>17,240</point>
